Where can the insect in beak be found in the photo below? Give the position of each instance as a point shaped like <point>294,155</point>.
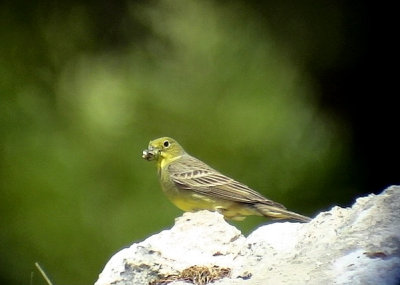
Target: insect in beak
<point>149,154</point>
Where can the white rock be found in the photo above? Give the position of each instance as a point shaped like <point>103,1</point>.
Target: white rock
<point>357,245</point>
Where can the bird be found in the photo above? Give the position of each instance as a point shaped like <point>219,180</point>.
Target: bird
<point>192,185</point>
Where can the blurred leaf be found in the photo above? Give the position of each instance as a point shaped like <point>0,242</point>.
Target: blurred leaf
<point>76,114</point>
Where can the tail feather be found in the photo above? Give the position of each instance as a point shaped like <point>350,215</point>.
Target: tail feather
<point>279,213</point>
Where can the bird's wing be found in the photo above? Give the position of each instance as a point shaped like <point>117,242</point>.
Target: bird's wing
<point>189,173</point>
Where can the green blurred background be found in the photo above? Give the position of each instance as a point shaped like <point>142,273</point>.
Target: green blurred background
<point>276,95</point>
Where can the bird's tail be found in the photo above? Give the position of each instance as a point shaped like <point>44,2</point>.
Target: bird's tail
<point>279,213</point>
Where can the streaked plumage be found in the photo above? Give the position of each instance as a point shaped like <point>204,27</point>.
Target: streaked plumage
<point>193,185</point>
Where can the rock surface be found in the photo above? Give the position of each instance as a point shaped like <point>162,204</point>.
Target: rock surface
<point>357,245</point>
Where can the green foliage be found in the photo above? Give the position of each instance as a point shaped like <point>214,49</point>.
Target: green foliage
<point>75,117</point>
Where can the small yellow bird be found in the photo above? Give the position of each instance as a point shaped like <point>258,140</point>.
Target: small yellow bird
<point>192,185</point>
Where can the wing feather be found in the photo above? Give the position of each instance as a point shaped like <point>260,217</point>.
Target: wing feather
<point>189,173</point>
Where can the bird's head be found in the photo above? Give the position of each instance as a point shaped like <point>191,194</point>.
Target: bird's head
<point>163,148</point>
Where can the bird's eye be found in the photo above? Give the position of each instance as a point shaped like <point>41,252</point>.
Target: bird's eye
<point>166,144</point>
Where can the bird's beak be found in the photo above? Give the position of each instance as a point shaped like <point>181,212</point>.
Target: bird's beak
<point>150,154</point>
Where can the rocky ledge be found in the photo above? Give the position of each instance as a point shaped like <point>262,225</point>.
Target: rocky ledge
<point>357,245</point>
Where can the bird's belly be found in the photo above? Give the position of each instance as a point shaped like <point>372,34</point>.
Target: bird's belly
<point>191,202</point>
